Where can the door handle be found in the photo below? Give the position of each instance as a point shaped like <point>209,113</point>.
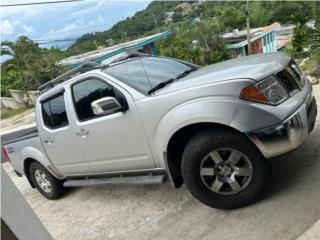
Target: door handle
<point>82,133</point>
<point>48,141</point>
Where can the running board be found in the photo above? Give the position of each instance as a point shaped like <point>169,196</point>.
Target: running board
<point>132,180</point>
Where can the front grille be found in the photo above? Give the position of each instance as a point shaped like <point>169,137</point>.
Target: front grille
<point>287,80</point>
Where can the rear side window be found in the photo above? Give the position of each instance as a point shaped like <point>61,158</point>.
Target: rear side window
<point>54,112</point>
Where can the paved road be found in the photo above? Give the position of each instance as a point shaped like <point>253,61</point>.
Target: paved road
<point>290,206</point>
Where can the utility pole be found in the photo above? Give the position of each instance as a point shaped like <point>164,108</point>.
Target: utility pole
<point>248,26</point>
<point>95,43</point>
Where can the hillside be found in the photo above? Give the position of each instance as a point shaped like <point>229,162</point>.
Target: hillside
<point>165,15</point>
<point>142,22</point>
<point>196,28</point>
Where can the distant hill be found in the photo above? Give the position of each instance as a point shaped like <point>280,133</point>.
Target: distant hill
<point>147,20</point>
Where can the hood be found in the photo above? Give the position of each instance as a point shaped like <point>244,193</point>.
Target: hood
<point>255,67</point>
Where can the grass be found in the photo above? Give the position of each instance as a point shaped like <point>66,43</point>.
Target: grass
<point>6,113</point>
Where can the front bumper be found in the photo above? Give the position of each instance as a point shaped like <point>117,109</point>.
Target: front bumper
<point>289,134</point>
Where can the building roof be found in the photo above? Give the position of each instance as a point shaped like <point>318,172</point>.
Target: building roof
<point>237,39</point>
<point>184,6</point>
<point>271,27</point>
<point>104,53</point>
<point>282,41</point>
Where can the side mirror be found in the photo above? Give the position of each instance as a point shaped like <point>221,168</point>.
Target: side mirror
<point>105,105</point>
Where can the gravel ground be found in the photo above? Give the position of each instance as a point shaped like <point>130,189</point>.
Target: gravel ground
<point>290,206</point>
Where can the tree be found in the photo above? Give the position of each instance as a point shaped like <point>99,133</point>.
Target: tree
<point>260,14</point>
<point>29,65</point>
<point>201,44</point>
<point>208,35</point>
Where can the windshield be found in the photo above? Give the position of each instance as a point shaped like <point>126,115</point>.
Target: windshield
<point>144,74</point>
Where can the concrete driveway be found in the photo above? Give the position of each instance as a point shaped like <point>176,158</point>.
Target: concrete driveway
<point>290,206</point>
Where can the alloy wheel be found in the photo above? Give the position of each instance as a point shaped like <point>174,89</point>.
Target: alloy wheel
<point>42,181</point>
<point>226,171</point>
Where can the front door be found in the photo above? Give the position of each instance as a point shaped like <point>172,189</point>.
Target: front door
<point>113,142</point>
<point>60,144</point>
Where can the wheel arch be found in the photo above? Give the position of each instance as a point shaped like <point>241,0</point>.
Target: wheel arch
<point>30,154</point>
<point>177,142</point>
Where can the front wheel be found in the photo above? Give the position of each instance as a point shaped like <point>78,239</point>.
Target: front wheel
<point>223,169</point>
<point>49,186</point>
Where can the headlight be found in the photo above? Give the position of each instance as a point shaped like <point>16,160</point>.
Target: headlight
<point>268,91</point>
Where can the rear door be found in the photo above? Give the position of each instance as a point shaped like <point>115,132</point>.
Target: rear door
<point>60,144</point>
<point>112,142</point>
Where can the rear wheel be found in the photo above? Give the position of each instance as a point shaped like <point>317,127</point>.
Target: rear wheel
<point>223,169</point>
<point>45,182</point>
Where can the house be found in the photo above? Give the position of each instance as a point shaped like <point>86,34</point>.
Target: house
<point>168,16</point>
<point>104,55</point>
<point>262,40</point>
<point>184,6</point>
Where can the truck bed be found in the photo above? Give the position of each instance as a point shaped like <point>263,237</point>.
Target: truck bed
<point>17,136</point>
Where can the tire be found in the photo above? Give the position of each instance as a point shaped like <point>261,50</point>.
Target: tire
<point>203,148</point>
<point>52,192</point>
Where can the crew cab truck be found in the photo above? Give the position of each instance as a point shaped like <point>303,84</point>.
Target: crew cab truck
<point>145,119</point>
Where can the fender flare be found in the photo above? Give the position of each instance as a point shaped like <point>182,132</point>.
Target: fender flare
<point>35,155</point>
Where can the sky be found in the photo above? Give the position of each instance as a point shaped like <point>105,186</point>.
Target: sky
<point>63,20</point>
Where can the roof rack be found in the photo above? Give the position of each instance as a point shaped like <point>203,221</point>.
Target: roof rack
<point>84,67</point>
<point>87,66</point>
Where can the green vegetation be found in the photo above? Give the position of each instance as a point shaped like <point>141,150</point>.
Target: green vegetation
<point>229,14</point>
<point>308,66</point>
<point>196,36</point>
<point>312,65</point>
<point>29,66</point>
<point>207,48</point>
<point>6,113</point>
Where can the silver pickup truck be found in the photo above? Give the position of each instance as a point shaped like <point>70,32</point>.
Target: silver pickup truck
<point>145,119</point>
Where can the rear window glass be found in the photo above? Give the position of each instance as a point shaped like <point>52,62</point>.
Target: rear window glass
<point>54,112</point>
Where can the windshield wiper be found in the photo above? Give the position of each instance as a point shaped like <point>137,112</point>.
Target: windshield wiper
<point>185,73</point>
<point>160,85</point>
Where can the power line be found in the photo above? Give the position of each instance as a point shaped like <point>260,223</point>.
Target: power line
<point>38,3</point>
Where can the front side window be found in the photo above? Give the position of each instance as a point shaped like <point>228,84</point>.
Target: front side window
<point>85,92</point>
<point>146,73</point>
<point>54,112</point>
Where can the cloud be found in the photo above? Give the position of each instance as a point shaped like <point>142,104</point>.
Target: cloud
<point>78,27</point>
<point>6,28</point>
<point>64,20</point>
<point>28,29</point>
<point>34,11</point>
<point>93,9</point>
